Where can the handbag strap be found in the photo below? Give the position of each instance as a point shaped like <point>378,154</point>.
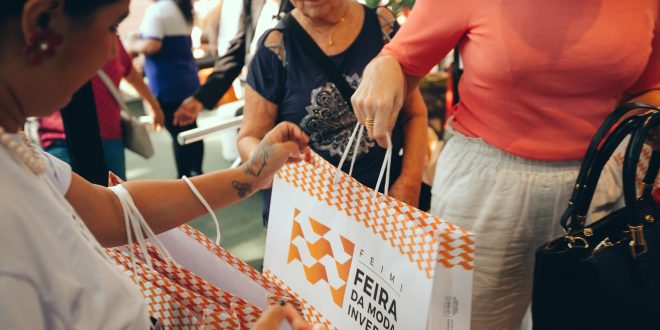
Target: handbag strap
<point>110,85</point>
<point>598,138</point>
<point>637,211</point>
<point>319,57</point>
<point>610,145</point>
<point>591,155</point>
<point>456,73</point>
<point>633,154</point>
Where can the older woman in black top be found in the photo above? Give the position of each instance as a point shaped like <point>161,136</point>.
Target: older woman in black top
<point>285,84</point>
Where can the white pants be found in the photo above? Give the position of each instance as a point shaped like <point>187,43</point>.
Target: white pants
<point>513,205</point>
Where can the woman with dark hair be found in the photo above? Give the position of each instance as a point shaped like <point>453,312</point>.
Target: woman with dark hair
<point>54,273</point>
<point>172,71</point>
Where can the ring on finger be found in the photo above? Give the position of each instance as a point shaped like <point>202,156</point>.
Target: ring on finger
<point>369,125</point>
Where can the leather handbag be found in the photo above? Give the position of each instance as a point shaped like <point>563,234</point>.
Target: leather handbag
<point>135,134</point>
<point>605,275</point>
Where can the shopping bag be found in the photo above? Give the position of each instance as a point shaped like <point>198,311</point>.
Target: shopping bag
<point>173,305</point>
<point>356,260</point>
<point>246,313</point>
<point>191,280</point>
<point>251,290</point>
<point>185,306</point>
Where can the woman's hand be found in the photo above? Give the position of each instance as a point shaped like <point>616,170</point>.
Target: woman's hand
<point>272,319</point>
<point>379,97</point>
<point>157,117</point>
<point>283,144</point>
<point>187,112</point>
<point>406,190</point>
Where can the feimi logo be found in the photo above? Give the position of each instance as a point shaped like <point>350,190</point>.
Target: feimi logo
<point>325,255</point>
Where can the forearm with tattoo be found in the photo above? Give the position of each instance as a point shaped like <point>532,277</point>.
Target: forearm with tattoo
<point>262,153</point>
<point>254,167</point>
<point>243,189</point>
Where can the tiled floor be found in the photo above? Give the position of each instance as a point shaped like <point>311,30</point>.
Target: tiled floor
<point>241,228</point>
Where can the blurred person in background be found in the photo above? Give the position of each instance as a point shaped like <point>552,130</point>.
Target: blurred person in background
<point>257,16</point>
<point>171,71</point>
<point>51,128</point>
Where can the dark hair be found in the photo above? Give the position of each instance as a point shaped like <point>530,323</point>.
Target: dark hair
<point>186,8</point>
<point>74,8</point>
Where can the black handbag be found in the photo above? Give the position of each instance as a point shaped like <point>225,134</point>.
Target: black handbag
<point>605,275</point>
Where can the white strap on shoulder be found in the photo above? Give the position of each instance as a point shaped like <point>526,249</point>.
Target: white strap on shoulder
<point>206,205</point>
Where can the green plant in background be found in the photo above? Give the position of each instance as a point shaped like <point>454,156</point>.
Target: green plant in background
<point>396,5</point>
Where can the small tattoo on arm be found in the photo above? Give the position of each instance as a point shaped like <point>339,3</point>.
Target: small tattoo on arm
<point>263,154</point>
<point>243,189</point>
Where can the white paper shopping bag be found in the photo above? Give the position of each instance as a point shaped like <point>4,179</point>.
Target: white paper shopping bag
<point>355,262</point>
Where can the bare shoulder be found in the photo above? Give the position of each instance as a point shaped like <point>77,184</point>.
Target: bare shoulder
<point>275,43</point>
<point>387,20</point>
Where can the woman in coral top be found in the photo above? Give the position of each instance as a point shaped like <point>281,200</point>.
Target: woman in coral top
<point>539,79</point>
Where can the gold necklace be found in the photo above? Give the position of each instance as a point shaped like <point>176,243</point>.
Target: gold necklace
<point>333,30</point>
<point>331,41</point>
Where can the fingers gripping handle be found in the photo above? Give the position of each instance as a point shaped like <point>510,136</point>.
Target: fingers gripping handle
<point>385,168</point>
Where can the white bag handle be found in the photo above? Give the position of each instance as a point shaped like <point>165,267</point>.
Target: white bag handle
<point>135,224</point>
<point>384,169</point>
<point>345,154</point>
<point>387,162</point>
<point>207,206</point>
<point>356,150</point>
